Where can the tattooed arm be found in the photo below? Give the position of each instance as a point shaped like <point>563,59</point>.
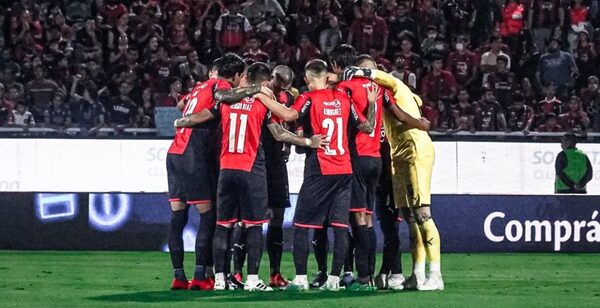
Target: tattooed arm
<point>235,95</point>
<point>282,135</point>
<point>194,119</point>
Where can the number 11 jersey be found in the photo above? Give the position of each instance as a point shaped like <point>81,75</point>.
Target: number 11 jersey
<point>327,112</point>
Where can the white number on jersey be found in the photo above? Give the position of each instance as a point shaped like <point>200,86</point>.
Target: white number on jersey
<point>330,126</point>
<point>241,134</point>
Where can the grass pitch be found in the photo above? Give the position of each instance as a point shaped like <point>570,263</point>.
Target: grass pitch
<point>118,279</point>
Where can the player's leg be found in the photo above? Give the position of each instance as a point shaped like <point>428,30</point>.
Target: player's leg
<point>179,218</point>
<point>403,179</point>
<point>204,258</point>
<point>254,213</point>
<point>339,213</point>
<point>237,252</point>
<point>372,180</point>
<point>386,214</point>
<point>320,243</point>
<point>429,232</point>
<point>227,216</point>
<point>279,200</point>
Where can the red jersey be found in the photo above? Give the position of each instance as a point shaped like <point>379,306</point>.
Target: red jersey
<point>201,97</point>
<point>437,86</point>
<point>356,88</point>
<point>369,33</point>
<point>327,112</point>
<point>232,30</point>
<point>242,125</point>
<point>461,65</point>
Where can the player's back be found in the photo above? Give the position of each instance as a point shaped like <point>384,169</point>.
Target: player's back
<point>364,144</point>
<point>326,112</point>
<point>201,97</point>
<point>242,125</point>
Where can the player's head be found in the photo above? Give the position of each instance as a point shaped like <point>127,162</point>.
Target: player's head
<point>568,140</point>
<point>315,74</point>
<point>232,68</point>
<point>282,77</point>
<point>213,71</point>
<point>342,56</point>
<point>258,73</point>
<point>366,61</point>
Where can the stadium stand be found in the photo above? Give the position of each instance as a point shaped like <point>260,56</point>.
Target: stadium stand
<point>93,67</point>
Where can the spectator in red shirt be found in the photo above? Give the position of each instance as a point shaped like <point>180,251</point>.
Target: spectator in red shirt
<point>112,11</point>
<point>439,84</point>
<point>520,116</point>
<point>24,25</point>
<point>462,63</point>
<point>253,51</point>
<point>550,104</point>
<point>369,31</point>
<point>575,119</point>
<point>488,115</point>
<point>171,99</point>
<point>402,72</point>
<point>232,28</point>
<point>578,18</point>
<point>513,16</point>
<point>429,111</point>
<point>550,124</point>
<point>463,111</point>
<point>413,60</point>
<point>278,50</point>
<point>305,52</point>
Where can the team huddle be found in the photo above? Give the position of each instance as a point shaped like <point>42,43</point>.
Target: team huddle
<point>228,159</point>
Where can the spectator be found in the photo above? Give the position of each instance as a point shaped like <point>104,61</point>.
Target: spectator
<point>119,55</point>
<point>573,168</point>
<point>429,111</point>
<point>463,112</point>
<point>445,119</point>
<point>428,43</point>
<point>178,40</point>
<point>488,115</point>
<point>146,30</point>
<point>171,99</point>
<point>488,59</point>
<point>279,52</point>
<point>578,19</point>
<point>400,26</point>
<point>192,67</point>
<point>526,57</point>
<point>427,15</point>
<point>122,109</point>
<point>88,41</point>
<point>483,23</point>
<point>401,72</point>
<point>550,124</point>
<point>550,104</point>
<point>9,80</point>
<point>575,119</point>
<point>259,11</point>
<point>160,70</point>
<point>78,10</point>
<point>439,84</point>
<point>513,15</point>
<point>556,68</point>
<point>40,92</point>
<point>21,116</point>
<point>97,74</point>
<point>520,116</point>
<point>459,14</point>
<point>413,60</point>
<point>543,16</point>
<point>120,30</point>
<point>112,11</point>
<point>589,93</point>
<point>369,31</point>
<point>528,92</point>
<point>90,113</point>
<point>57,115</point>
<point>502,81</point>
<point>305,52</point>
<point>25,26</point>
<point>586,68</point>
<point>331,36</point>
<point>462,63</point>
<point>439,49</point>
<point>254,52</point>
<point>145,112</point>
<point>584,45</point>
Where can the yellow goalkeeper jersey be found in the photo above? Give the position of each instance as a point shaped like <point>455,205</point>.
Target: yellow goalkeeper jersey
<point>399,135</point>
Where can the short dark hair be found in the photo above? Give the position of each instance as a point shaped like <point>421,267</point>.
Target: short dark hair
<point>316,66</point>
<point>216,64</point>
<point>231,64</point>
<point>570,138</point>
<point>502,58</point>
<point>258,72</point>
<point>364,58</point>
<point>343,55</point>
<point>495,38</point>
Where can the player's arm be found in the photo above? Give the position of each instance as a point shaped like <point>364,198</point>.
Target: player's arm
<point>380,77</point>
<point>194,119</point>
<point>559,166</point>
<point>369,125</point>
<point>283,135</point>
<point>235,95</point>
<point>181,103</point>
<point>403,116</point>
<point>283,112</point>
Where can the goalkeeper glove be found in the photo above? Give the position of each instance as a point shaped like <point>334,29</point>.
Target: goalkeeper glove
<point>353,71</point>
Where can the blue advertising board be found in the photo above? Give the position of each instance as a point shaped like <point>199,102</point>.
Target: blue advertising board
<point>467,223</point>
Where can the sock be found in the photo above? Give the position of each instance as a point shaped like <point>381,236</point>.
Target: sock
<point>417,250</point>
<point>254,246</point>
<point>340,247</point>
<point>200,272</point>
<point>220,276</point>
<point>206,231</point>
<point>179,274</point>
<point>361,252</point>
<point>349,261</point>
<point>220,244</point>
<point>431,242</point>
<point>239,249</point>
<point>178,221</point>
<point>320,243</point>
<point>300,250</point>
<point>301,279</point>
<point>372,250</point>
<point>275,247</point>
<point>252,278</point>
<point>391,245</point>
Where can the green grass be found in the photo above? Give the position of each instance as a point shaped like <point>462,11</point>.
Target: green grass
<point>119,279</point>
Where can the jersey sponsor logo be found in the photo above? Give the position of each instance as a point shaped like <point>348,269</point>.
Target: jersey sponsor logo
<point>335,104</point>
<point>306,105</point>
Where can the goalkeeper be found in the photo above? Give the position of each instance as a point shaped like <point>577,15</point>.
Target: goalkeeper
<point>412,155</point>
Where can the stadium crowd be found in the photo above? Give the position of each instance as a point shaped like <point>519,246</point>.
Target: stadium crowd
<point>479,65</point>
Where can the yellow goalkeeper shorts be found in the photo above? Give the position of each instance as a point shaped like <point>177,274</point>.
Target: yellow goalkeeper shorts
<point>412,167</point>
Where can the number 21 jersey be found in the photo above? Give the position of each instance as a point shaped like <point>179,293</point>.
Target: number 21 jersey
<point>327,112</point>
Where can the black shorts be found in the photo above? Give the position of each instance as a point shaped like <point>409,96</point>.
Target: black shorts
<point>366,173</point>
<point>191,178</point>
<point>277,185</point>
<point>242,195</point>
<point>324,198</point>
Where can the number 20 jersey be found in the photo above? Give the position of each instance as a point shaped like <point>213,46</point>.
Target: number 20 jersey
<point>327,112</point>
